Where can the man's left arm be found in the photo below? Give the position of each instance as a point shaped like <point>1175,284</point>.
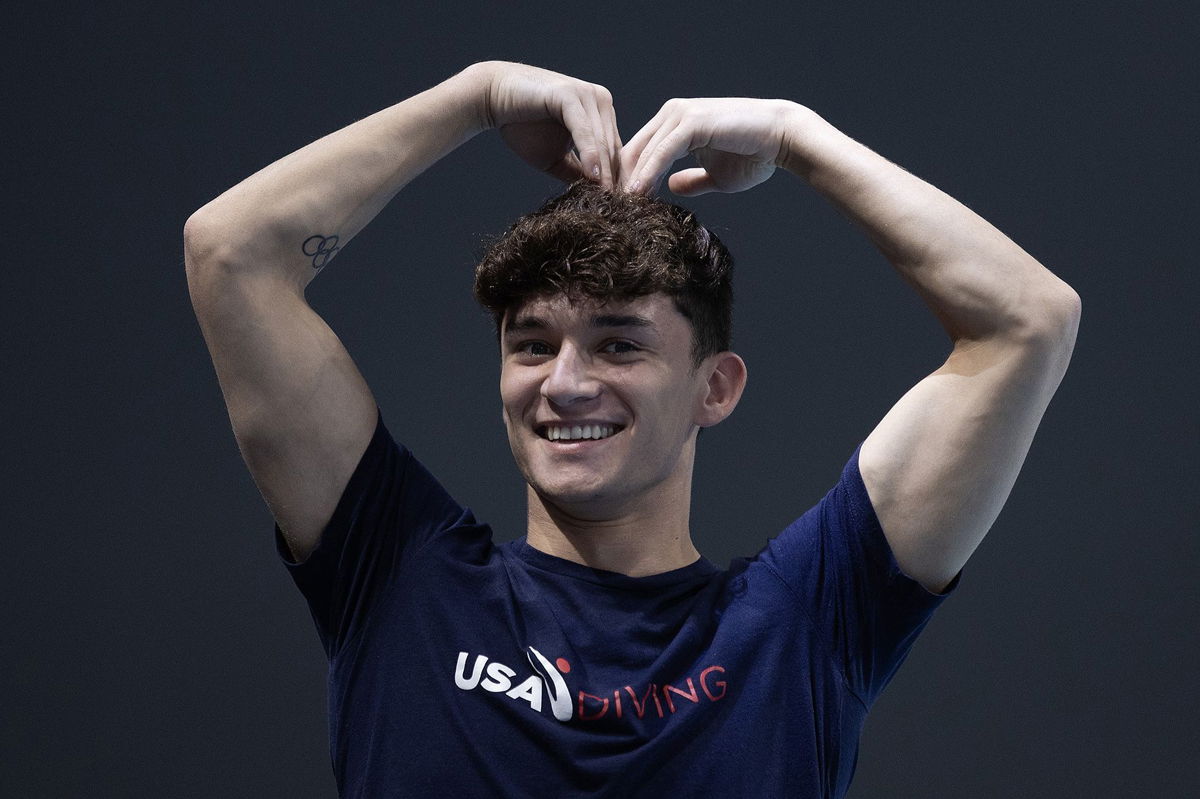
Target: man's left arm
<point>943,460</point>
<point>941,463</point>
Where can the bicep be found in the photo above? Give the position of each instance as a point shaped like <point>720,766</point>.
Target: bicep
<point>301,411</point>
<point>941,463</point>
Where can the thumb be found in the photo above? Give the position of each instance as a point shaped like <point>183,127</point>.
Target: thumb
<point>567,169</point>
<point>691,182</point>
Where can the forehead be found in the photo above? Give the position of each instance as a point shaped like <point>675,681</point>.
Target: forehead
<point>654,313</point>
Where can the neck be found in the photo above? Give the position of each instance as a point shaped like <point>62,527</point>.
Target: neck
<point>649,536</point>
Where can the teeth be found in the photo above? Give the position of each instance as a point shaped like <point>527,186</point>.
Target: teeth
<point>579,432</point>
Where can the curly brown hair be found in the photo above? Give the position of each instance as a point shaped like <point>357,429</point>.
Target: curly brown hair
<point>589,243</point>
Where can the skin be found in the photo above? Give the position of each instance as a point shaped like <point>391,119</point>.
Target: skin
<point>938,467</point>
<point>300,408</point>
<point>621,503</point>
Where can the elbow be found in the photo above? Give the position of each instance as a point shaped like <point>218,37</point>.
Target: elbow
<point>1064,301</point>
<point>212,245</point>
<point>1074,310</point>
<point>210,257</point>
<point>1062,316</point>
<point>201,259</point>
<point>217,255</point>
<point>202,242</point>
<point>1052,327</point>
<point>1039,318</point>
<point>1030,316</point>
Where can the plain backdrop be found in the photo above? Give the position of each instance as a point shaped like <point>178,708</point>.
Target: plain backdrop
<point>153,645</point>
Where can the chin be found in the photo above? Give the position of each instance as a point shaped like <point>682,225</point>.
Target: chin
<point>565,495</point>
<point>572,497</point>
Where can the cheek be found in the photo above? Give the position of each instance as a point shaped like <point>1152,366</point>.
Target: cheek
<point>680,406</point>
<point>516,393</point>
<point>509,387</point>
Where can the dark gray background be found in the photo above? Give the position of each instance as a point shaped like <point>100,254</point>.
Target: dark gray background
<point>153,644</point>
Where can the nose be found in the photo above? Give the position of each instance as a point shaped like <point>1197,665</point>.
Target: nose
<point>570,379</point>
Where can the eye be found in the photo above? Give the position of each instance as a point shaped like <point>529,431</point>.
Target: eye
<point>534,348</point>
<point>620,347</point>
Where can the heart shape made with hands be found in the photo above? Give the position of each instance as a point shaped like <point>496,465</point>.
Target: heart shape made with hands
<point>738,142</point>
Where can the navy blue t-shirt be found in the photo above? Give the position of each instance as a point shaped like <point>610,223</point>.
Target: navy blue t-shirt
<point>460,667</point>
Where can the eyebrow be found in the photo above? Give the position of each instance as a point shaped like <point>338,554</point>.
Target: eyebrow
<point>523,323</point>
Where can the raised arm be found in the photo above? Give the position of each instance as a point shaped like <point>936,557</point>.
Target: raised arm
<point>301,411</point>
<point>941,463</point>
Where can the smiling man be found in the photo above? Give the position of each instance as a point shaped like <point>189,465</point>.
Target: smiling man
<point>600,653</point>
<point>601,402</point>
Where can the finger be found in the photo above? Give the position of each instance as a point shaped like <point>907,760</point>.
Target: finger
<point>608,139</point>
<point>616,156</point>
<point>691,182</point>
<point>599,131</point>
<point>633,149</point>
<point>568,169</point>
<point>577,119</point>
<point>609,114</point>
<point>667,146</point>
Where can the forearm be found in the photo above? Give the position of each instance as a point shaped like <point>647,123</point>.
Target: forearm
<point>975,279</point>
<point>331,187</point>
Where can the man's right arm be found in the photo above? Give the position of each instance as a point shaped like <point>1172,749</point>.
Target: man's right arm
<point>301,412</point>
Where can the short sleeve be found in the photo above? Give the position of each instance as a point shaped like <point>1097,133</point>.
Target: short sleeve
<point>842,570</point>
<point>390,508</point>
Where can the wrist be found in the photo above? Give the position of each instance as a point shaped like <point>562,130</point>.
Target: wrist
<point>467,92</point>
<point>800,127</point>
<point>475,84</point>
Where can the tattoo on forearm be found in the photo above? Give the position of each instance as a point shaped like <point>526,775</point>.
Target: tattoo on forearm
<point>321,249</point>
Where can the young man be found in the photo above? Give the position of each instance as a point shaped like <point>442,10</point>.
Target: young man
<point>601,654</point>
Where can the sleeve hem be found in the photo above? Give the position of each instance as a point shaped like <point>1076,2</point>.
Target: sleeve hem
<point>343,512</point>
<point>862,506</point>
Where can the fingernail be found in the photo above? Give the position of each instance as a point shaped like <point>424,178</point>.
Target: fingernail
<point>596,171</point>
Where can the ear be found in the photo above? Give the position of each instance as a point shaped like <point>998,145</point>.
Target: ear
<point>726,381</point>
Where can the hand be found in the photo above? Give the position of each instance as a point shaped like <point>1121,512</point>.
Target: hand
<point>540,114</point>
<point>739,141</point>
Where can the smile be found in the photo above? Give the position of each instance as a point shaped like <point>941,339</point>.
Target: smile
<point>578,432</point>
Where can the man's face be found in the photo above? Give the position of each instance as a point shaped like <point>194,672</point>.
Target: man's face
<point>619,372</point>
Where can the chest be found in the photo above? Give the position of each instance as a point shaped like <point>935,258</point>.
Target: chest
<point>490,671</point>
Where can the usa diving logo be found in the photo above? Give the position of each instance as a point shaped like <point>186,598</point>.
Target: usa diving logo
<point>499,679</point>
<point>547,682</point>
